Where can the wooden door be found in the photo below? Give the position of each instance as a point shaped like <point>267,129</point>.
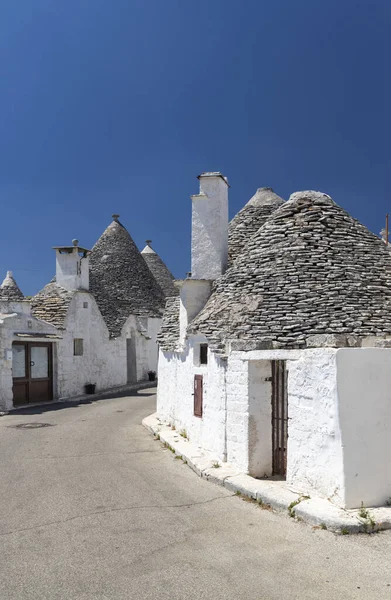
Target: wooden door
<point>279,417</point>
<point>32,372</point>
<point>198,395</point>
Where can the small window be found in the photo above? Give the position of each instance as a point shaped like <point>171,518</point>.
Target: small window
<point>203,354</point>
<point>78,347</point>
<point>85,304</point>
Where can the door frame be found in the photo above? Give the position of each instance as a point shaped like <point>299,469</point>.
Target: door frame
<point>27,380</point>
<point>279,421</point>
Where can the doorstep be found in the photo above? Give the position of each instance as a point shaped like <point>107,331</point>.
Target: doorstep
<point>276,495</point>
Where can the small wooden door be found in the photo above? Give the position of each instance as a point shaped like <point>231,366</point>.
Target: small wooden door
<point>32,372</point>
<point>279,417</point>
<point>198,395</point>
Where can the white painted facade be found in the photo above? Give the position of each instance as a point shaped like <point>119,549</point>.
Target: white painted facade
<point>339,406</point>
<point>209,243</point>
<point>104,360</point>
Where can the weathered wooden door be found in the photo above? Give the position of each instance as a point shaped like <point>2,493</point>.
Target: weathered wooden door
<point>279,417</point>
<point>32,372</point>
<point>198,395</point>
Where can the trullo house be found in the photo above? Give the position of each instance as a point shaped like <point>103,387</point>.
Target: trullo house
<point>276,355</point>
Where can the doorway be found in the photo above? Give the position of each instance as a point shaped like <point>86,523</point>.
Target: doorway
<point>131,361</point>
<point>32,372</point>
<point>279,417</point>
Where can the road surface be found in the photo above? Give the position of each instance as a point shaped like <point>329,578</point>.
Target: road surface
<point>91,507</point>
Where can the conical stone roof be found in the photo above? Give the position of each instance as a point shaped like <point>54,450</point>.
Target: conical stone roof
<point>311,269</point>
<point>120,280</point>
<point>249,219</point>
<point>159,270</point>
<point>9,289</point>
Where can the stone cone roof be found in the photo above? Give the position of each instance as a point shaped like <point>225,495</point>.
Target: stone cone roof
<point>51,304</point>
<point>159,270</point>
<point>9,289</point>
<point>120,279</point>
<point>311,269</point>
<point>249,219</point>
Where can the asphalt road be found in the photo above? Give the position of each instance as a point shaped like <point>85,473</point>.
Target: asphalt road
<point>91,507</point>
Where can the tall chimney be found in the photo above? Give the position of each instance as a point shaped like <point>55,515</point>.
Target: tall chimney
<point>72,267</point>
<point>209,231</point>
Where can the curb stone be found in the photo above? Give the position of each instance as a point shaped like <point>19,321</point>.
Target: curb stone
<point>317,512</point>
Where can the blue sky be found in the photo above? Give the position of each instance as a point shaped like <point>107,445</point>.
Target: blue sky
<point>117,105</point>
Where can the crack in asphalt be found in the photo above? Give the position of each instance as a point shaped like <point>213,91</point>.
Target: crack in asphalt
<point>111,510</point>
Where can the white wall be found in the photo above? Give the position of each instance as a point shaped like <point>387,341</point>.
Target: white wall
<point>364,391</point>
<point>175,401</point>
<point>103,361</point>
<point>315,462</point>
<point>72,270</point>
<point>209,229</point>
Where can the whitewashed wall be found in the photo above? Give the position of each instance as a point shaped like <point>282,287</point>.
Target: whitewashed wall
<point>364,392</point>
<point>175,401</point>
<point>315,462</point>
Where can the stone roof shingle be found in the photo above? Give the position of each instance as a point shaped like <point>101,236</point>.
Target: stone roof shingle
<point>160,271</point>
<point>120,280</point>
<point>249,219</point>
<point>168,336</point>
<point>311,269</point>
<point>51,304</point>
<point>9,289</point>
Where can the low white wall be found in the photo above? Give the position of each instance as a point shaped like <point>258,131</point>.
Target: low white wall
<point>364,391</point>
<point>315,462</point>
<point>175,400</point>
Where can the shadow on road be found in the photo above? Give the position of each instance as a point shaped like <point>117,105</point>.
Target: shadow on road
<point>53,406</point>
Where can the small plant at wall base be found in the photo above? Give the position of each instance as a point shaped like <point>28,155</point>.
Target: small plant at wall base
<point>183,433</point>
<point>151,375</point>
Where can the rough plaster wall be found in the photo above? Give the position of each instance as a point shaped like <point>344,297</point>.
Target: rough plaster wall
<point>145,330</point>
<point>237,412</point>
<point>314,441</point>
<point>175,402</point>
<point>103,361</point>
<point>72,271</point>
<point>259,419</point>
<point>209,245</point>
<point>364,391</point>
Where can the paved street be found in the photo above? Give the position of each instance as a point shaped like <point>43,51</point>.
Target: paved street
<point>91,507</point>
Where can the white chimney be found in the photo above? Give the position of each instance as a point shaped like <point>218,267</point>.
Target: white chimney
<point>72,267</point>
<point>209,230</point>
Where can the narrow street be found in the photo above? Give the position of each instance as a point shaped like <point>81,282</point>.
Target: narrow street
<point>91,507</point>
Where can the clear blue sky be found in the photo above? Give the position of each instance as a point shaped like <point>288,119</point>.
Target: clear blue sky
<point>117,105</point>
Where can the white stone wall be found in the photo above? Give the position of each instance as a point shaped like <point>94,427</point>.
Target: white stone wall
<point>315,461</point>
<point>364,392</point>
<point>209,230</point>
<point>72,270</point>
<point>175,402</point>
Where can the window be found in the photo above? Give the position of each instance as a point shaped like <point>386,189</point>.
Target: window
<point>203,354</point>
<point>85,304</point>
<point>78,347</point>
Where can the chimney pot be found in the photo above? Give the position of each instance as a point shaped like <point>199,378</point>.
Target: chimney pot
<point>115,217</point>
